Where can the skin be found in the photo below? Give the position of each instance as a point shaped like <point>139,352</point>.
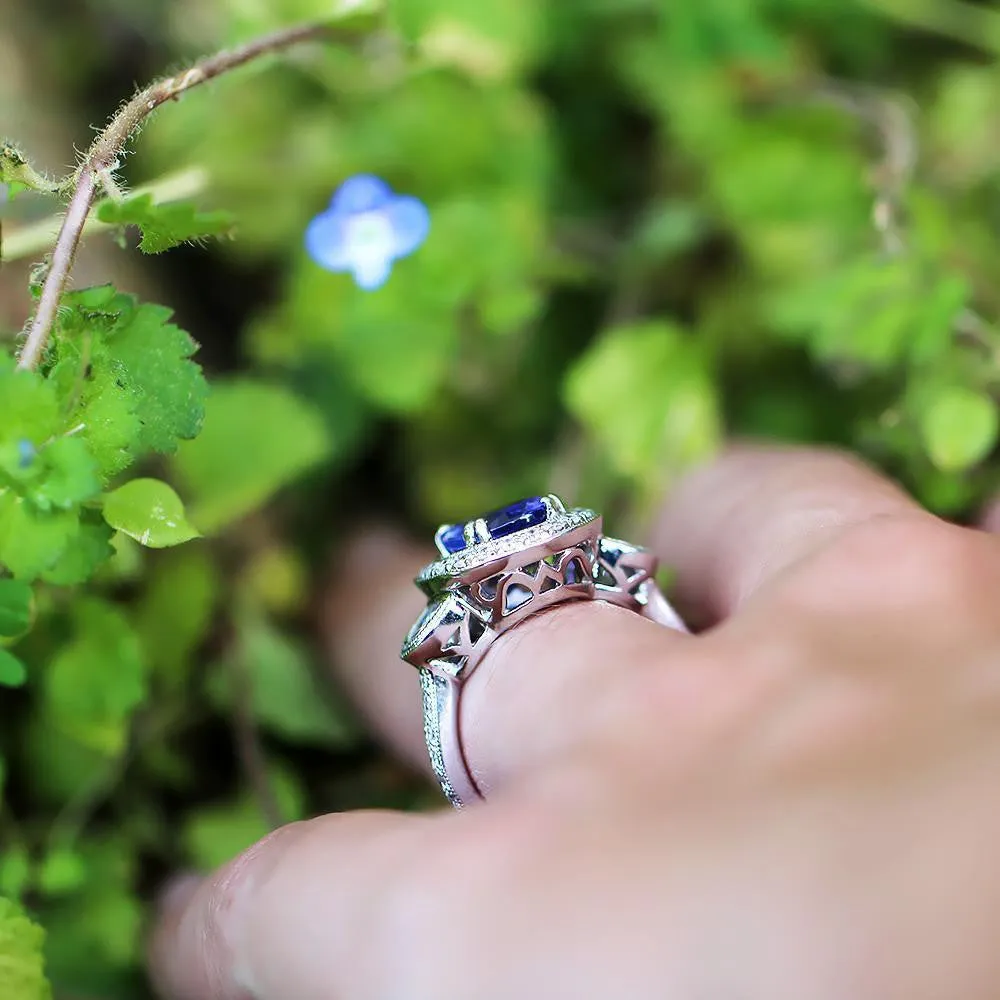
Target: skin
<point>799,801</point>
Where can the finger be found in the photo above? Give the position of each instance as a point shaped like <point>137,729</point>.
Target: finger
<point>555,682</point>
<point>297,915</point>
<point>990,518</point>
<point>733,525</point>
<point>369,608</point>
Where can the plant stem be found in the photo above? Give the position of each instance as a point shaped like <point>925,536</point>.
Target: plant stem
<point>105,155</point>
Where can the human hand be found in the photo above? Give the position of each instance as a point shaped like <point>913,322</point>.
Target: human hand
<point>798,802</point>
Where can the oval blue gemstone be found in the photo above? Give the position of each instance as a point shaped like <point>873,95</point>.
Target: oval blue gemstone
<point>454,538</point>
<point>516,517</point>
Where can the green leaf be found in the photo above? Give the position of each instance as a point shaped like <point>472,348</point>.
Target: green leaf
<point>149,511</point>
<point>62,871</point>
<point>250,18</point>
<point>88,551</point>
<point>63,763</point>
<point>22,966</point>
<point>398,361</point>
<point>645,393</point>
<point>15,608</point>
<point>488,40</point>
<point>29,411</point>
<point>95,681</point>
<point>935,324</point>
<point>166,225</point>
<point>168,390</point>
<point>287,699</point>
<point>959,427</point>
<point>177,610</point>
<point>67,476</point>
<point>12,670</point>
<point>32,542</point>
<point>667,229</point>
<point>94,937</point>
<point>126,375</point>
<point>258,437</point>
<point>216,834</point>
<point>15,870</point>
<point>18,173</point>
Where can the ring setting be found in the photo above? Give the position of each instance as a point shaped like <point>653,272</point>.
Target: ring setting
<point>492,573</point>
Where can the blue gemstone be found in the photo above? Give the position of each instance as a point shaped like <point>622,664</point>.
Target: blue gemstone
<point>454,538</point>
<point>516,517</point>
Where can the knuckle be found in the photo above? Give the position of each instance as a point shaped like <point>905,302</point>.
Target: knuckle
<point>222,917</point>
<point>911,562</point>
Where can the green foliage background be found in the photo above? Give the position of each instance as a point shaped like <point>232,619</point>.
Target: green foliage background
<point>655,223</point>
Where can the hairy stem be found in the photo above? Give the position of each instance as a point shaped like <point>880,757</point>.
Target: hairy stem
<point>104,155</point>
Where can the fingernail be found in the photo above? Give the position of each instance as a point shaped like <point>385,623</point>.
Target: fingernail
<point>177,890</point>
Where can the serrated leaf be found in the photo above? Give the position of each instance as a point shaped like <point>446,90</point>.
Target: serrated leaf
<point>22,965</point>
<point>12,670</point>
<point>149,511</point>
<point>257,438</point>
<point>165,225</point>
<point>169,390</point>
<point>959,427</point>
<point>127,376</point>
<point>15,607</point>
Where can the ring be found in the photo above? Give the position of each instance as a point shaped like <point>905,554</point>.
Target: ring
<point>495,571</point>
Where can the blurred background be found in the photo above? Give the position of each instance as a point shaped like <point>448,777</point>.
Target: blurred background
<point>655,224</point>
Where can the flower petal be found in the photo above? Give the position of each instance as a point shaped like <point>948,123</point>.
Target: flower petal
<point>371,272</point>
<point>360,193</point>
<point>410,223</point>
<point>326,242</point>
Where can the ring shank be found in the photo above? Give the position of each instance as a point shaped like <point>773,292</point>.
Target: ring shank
<point>442,702</point>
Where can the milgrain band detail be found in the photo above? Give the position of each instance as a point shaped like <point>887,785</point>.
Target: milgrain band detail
<point>495,572</point>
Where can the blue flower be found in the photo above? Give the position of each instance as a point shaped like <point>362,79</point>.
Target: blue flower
<point>365,229</point>
<point>25,453</point>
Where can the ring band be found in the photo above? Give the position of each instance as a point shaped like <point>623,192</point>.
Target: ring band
<point>494,572</point>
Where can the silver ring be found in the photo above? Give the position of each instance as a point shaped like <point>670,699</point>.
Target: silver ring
<point>495,571</point>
